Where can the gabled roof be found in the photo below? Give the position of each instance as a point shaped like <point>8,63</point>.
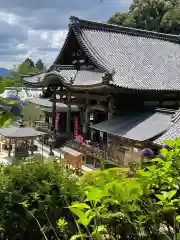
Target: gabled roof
<point>138,59</point>
<point>141,59</point>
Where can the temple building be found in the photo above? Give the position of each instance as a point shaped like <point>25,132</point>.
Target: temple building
<point>114,89</point>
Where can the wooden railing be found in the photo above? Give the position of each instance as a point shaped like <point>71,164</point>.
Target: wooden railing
<point>115,160</point>
<point>42,126</point>
<point>85,148</point>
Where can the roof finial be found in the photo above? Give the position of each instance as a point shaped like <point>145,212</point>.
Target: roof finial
<point>108,77</point>
<point>73,19</point>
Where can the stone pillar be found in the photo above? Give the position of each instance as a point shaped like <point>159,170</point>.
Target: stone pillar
<point>68,124</point>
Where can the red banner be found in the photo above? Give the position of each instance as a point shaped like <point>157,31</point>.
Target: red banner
<point>57,120</point>
<point>75,126</point>
<point>80,138</point>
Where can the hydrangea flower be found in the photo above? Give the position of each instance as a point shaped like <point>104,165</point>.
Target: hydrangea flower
<point>13,96</point>
<point>14,108</point>
<point>167,147</point>
<point>160,156</point>
<point>147,152</point>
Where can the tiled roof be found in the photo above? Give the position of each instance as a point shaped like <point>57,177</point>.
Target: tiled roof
<point>173,131</point>
<point>139,126</point>
<point>34,78</point>
<point>68,75</point>
<point>16,132</point>
<point>142,60</point>
<point>176,116</point>
<point>171,134</point>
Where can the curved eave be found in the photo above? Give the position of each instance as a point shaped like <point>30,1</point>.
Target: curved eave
<point>58,79</point>
<point>46,81</point>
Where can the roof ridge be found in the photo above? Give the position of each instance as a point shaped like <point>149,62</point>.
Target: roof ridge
<point>122,29</point>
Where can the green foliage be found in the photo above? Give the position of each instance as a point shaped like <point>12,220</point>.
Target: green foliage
<point>32,113</point>
<point>40,65</point>
<point>33,195</point>
<point>46,201</point>
<point>25,68</point>
<point>155,15</point>
<point>143,207</point>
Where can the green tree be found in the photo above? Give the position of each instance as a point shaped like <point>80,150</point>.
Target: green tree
<point>32,113</point>
<point>29,62</point>
<point>155,15</point>
<point>40,65</point>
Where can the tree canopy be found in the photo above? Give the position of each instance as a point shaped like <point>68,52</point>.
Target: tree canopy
<point>25,68</point>
<point>40,65</point>
<point>155,15</point>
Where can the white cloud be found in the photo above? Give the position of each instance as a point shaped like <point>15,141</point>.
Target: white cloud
<point>37,29</point>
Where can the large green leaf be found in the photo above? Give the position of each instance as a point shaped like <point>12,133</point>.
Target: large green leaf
<point>77,236</point>
<point>80,206</point>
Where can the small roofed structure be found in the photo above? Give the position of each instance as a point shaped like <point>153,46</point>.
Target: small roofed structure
<point>72,158</point>
<point>19,137</point>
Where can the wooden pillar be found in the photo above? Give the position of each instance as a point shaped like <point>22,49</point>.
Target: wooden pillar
<point>15,147</point>
<point>32,146</point>
<point>68,123</point>
<point>54,110</point>
<point>87,118</point>
<point>110,108</point>
<point>61,95</point>
<point>9,148</point>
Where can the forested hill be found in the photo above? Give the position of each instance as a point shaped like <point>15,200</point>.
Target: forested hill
<point>4,72</point>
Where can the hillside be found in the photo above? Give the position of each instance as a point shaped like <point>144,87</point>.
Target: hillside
<point>4,72</point>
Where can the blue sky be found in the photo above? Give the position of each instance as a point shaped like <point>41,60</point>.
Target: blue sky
<point>37,28</point>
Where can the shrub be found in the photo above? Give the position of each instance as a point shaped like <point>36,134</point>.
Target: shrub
<point>33,196</point>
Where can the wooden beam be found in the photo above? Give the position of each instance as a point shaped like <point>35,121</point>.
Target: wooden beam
<point>83,95</point>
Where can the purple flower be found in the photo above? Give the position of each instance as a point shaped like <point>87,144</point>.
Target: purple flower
<point>160,156</point>
<point>166,147</point>
<point>16,111</point>
<point>11,96</point>
<point>147,152</point>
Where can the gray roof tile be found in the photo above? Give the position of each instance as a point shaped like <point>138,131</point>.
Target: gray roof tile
<point>16,132</point>
<point>139,126</point>
<point>171,134</point>
<point>141,59</point>
<point>173,131</point>
<point>83,77</point>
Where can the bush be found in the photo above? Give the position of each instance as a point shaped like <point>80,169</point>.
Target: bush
<point>33,196</point>
<point>41,200</point>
